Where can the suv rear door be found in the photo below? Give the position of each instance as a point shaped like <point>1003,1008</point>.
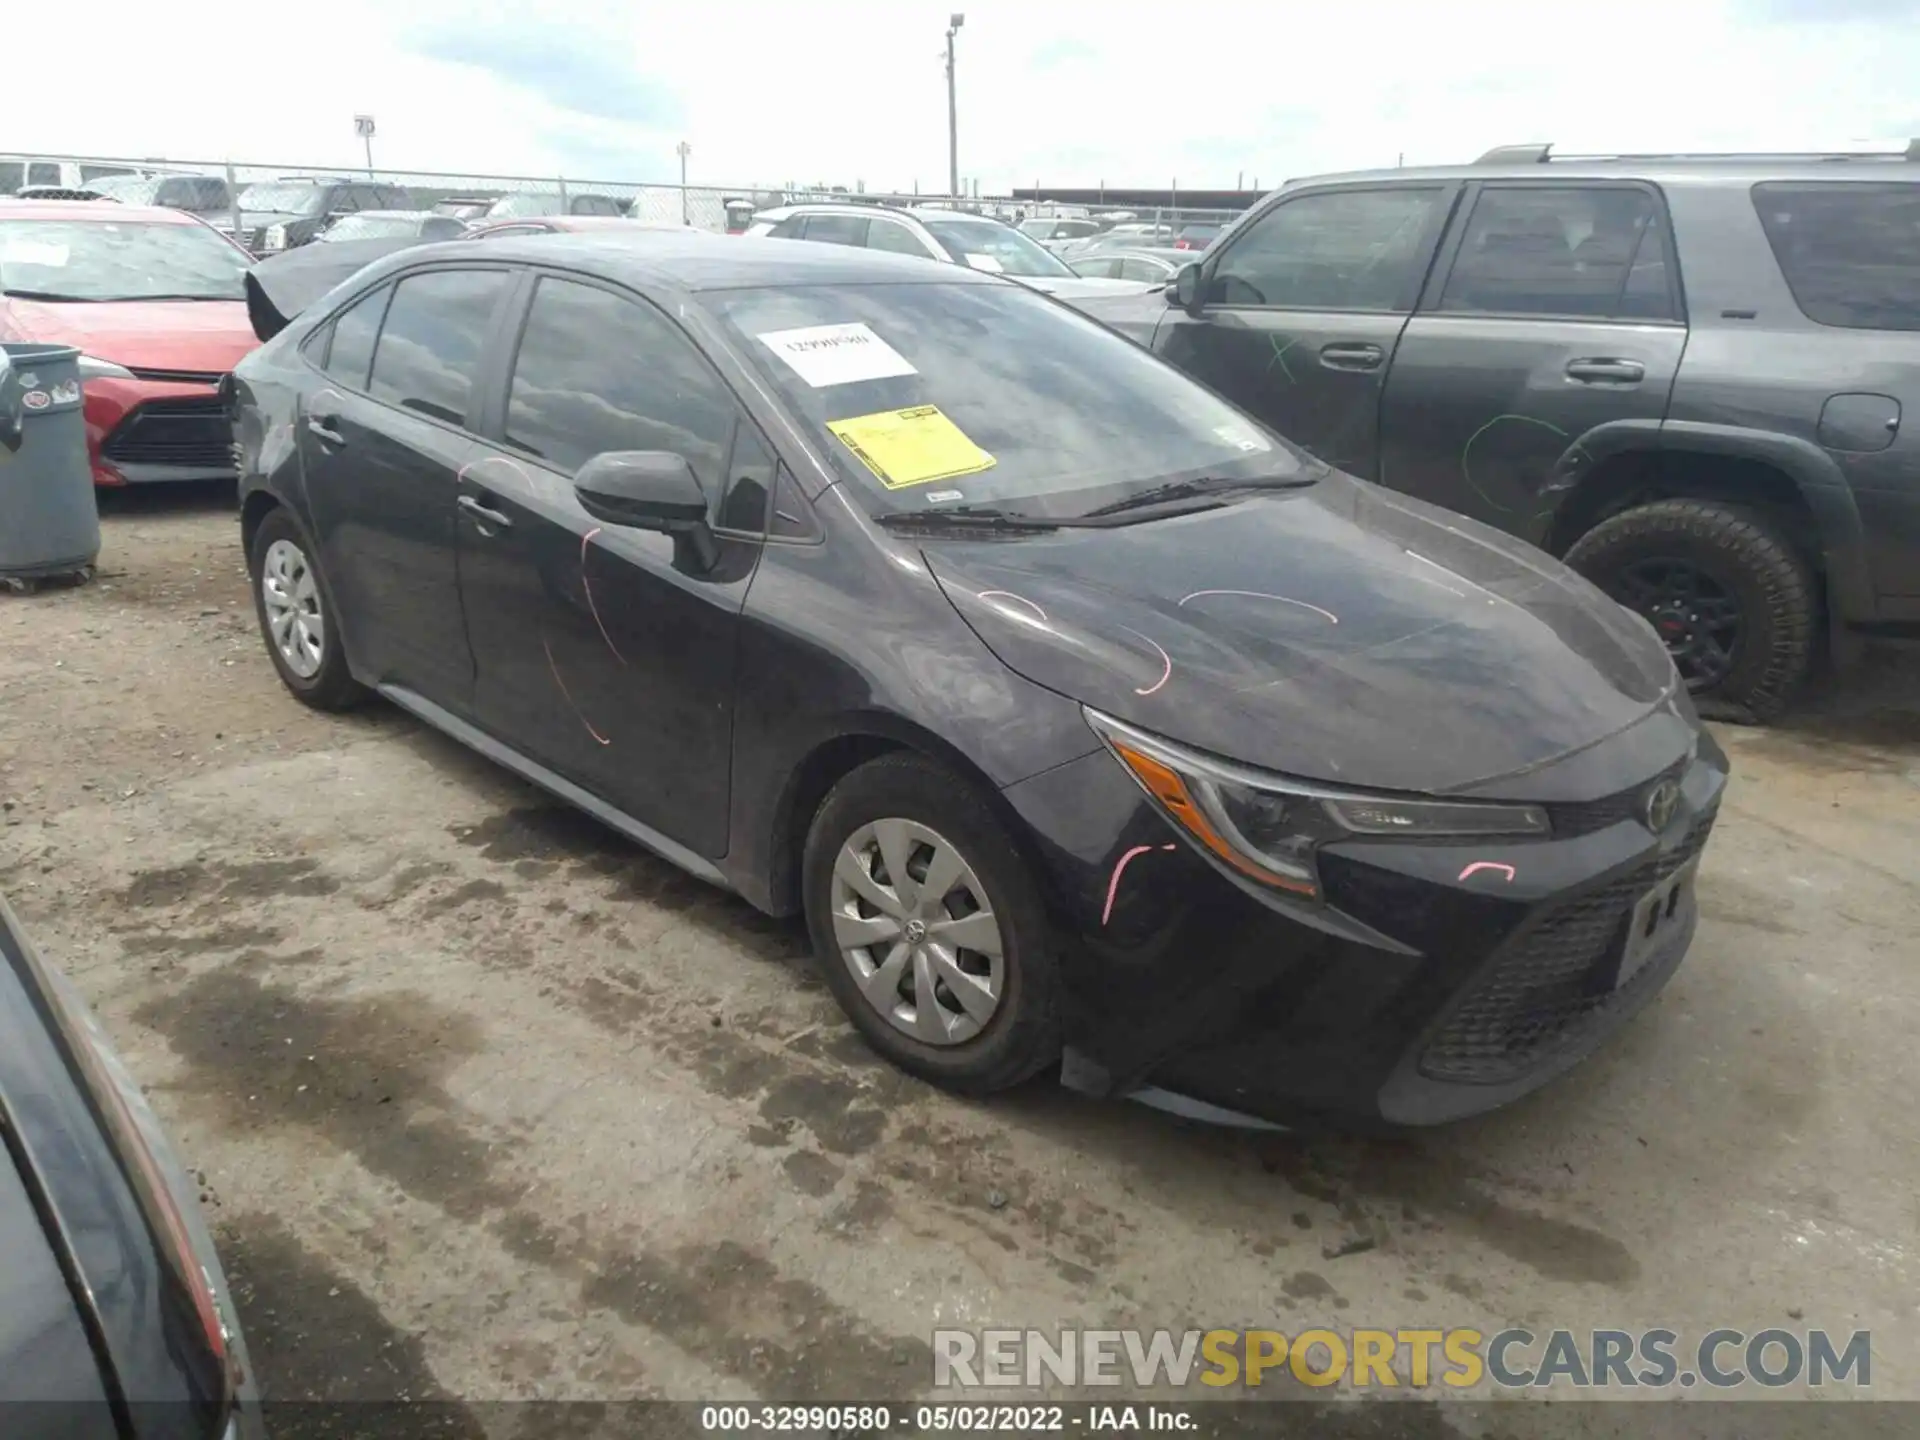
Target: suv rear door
<point>1302,306</point>
<point>1555,309</point>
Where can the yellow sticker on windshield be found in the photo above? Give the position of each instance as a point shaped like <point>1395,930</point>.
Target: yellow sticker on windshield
<point>911,447</point>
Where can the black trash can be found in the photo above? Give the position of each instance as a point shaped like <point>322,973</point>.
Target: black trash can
<point>49,523</point>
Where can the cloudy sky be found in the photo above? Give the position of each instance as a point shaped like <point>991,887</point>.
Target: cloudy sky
<point>1060,91</point>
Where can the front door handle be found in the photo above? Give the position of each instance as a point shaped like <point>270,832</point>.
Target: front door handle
<point>485,515</point>
<point>1352,357</point>
<point>322,426</point>
<point>1599,370</point>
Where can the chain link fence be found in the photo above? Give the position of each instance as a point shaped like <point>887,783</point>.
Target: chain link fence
<point>701,206</point>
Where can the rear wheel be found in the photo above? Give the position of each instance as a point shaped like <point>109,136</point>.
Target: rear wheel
<point>296,620</point>
<point>1732,599</point>
<point>929,928</point>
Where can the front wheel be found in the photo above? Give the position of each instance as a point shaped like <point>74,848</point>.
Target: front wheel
<point>1733,600</point>
<point>929,927</point>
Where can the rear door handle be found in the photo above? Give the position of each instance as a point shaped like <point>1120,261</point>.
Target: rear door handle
<point>1352,357</point>
<point>1598,370</point>
<point>484,515</point>
<point>322,425</point>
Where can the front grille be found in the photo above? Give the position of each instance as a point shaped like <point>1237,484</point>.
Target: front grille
<point>179,377</point>
<point>186,432</point>
<point>1588,816</point>
<point>1551,990</point>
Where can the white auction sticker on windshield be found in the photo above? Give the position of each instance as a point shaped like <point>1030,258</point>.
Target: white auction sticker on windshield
<point>825,355</point>
<point>986,263</point>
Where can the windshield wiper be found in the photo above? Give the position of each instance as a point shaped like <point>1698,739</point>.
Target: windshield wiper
<point>985,517</point>
<point>46,295</point>
<point>1210,486</point>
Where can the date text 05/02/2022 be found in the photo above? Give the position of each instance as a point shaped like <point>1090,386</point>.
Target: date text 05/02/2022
<point>943,1418</point>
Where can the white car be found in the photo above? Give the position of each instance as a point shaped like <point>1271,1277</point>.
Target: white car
<point>951,236</point>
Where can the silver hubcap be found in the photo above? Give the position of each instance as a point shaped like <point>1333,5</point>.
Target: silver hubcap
<point>292,601</point>
<point>916,930</point>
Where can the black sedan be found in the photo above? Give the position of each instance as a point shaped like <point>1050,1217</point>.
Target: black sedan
<point>115,1319</point>
<point>1091,725</point>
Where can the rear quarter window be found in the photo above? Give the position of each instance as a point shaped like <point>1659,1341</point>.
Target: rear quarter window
<point>1850,251</point>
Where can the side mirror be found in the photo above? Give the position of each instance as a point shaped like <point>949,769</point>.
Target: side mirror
<point>12,416</point>
<point>1185,290</point>
<point>649,490</point>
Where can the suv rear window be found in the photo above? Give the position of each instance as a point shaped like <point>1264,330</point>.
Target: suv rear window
<point>1850,250</point>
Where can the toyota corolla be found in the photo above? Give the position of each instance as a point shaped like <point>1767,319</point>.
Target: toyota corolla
<point>152,300</point>
<point>1093,727</point>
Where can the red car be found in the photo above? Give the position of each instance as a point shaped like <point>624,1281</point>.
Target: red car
<point>152,299</point>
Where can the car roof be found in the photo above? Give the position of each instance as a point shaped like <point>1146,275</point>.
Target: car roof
<point>401,214</point>
<point>675,258</point>
<point>855,207</point>
<point>93,210</point>
<point>1728,169</point>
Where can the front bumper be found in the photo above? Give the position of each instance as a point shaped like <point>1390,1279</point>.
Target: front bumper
<point>1417,995</point>
<point>156,431</point>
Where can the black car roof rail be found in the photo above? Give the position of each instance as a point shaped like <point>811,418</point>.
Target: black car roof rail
<point>1538,154</point>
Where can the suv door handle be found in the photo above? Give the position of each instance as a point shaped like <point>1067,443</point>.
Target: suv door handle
<point>485,515</point>
<point>1598,370</point>
<point>1352,357</point>
<point>322,425</point>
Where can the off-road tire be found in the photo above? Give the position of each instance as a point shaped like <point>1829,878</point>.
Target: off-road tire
<point>1752,561</point>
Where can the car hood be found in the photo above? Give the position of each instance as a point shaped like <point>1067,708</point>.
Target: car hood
<point>207,335</point>
<point>251,219</point>
<point>1337,632</point>
<point>1078,288</point>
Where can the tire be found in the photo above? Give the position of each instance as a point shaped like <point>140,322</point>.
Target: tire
<point>327,685</point>
<point>923,806</point>
<point>1761,579</point>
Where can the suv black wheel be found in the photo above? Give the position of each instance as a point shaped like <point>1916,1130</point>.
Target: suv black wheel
<point>1734,601</point>
<point>297,618</point>
<point>929,927</point>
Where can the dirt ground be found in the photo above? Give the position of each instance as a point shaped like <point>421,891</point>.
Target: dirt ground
<point>490,1105</point>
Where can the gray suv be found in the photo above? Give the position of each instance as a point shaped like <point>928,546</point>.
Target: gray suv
<point>1684,374</point>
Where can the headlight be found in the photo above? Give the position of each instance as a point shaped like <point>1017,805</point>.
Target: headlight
<point>93,368</point>
<point>1269,827</point>
<point>275,238</point>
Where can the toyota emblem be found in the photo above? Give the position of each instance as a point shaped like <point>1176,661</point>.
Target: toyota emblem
<point>1662,800</point>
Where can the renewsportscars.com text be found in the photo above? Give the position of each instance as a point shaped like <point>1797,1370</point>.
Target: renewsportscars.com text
<point>1415,1358</point>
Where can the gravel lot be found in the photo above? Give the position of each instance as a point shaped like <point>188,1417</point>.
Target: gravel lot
<point>491,1105</point>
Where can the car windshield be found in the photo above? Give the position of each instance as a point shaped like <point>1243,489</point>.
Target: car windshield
<point>290,199</point>
<point>370,227</point>
<point>995,248</point>
<point>927,395</point>
<point>508,206</point>
<point>118,260</point>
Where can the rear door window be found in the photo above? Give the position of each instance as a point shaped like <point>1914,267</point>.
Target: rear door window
<point>1357,250</point>
<point>1850,251</point>
<point>1594,250</point>
<point>837,229</point>
<point>429,350</point>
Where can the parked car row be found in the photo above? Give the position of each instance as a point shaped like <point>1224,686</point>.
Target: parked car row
<point>931,233</point>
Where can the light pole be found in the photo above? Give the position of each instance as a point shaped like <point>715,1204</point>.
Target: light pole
<point>954,22</point>
<point>683,150</point>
